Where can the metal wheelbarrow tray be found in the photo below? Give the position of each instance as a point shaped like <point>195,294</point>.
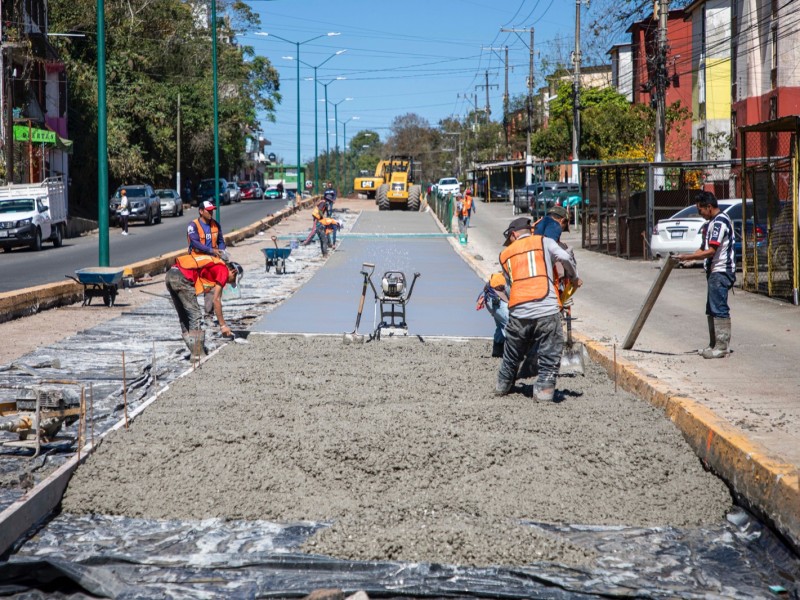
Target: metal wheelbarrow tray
<point>276,257</point>
<point>99,282</point>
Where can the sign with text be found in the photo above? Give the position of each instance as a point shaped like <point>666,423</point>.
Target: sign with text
<point>23,133</point>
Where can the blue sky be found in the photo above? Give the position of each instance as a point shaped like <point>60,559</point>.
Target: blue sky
<point>413,56</point>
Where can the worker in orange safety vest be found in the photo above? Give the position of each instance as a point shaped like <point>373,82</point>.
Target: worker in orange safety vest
<point>534,309</point>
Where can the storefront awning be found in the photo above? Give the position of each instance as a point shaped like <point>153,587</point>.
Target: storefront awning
<point>24,133</point>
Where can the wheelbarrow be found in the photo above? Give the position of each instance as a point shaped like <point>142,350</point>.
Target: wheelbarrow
<point>99,282</point>
<point>276,257</point>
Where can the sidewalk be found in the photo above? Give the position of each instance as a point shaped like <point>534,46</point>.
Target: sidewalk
<point>756,389</point>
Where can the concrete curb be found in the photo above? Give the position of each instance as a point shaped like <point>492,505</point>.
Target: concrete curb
<point>763,483</point>
<point>29,301</point>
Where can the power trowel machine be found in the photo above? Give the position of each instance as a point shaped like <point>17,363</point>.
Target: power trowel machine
<point>390,301</point>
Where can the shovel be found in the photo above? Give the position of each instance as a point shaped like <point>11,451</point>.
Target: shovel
<point>354,337</point>
<point>572,359</point>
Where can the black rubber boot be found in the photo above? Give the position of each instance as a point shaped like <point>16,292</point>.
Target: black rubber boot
<point>497,349</point>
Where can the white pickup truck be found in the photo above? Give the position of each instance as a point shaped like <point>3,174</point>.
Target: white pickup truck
<point>31,213</point>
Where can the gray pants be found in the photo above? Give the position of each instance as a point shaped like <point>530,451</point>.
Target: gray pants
<point>544,335</point>
<point>181,290</point>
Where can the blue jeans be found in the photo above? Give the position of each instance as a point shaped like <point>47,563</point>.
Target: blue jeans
<point>522,335</point>
<point>717,299</point>
<point>499,311</point>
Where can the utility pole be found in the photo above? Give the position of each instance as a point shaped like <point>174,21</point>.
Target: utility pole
<point>576,98</point>
<point>528,102</point>
<point>487,110</point>
<point>661,81</point>
<point>505,111</point>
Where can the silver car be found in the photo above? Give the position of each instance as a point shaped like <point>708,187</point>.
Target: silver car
<point>171,203</point>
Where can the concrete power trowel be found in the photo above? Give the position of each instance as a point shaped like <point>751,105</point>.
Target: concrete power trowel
<point>391,301</point>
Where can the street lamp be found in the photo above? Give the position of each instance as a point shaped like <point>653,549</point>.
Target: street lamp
<point>316,136</point>
<point>344,145</point>
<point>297,59</point>
<point>336,138</point>
<point>327,135</point>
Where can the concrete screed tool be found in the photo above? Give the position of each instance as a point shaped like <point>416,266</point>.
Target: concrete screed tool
<point>391,301</point>
<point>355,337</point>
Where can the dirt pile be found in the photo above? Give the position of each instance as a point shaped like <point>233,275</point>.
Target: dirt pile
<point>402,447</point>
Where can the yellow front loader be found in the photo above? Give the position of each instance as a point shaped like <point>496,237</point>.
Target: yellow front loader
<point>370,185</point>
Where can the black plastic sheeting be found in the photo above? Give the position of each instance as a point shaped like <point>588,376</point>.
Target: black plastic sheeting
<point>119,557</point>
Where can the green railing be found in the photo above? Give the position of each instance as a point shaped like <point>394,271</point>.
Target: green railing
<point>443,206</point>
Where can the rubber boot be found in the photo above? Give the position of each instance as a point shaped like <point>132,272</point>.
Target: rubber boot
<point>712,336</point>
<point>721,348</point>
<point>497,349</point>
<point>196,343</point>
<point>503,388</point>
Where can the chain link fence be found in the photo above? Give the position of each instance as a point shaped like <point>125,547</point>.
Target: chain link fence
<point>770,248</point>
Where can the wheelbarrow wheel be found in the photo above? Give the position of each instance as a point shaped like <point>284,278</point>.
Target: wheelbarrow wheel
<point>280,267</point>
<point>107,299</point>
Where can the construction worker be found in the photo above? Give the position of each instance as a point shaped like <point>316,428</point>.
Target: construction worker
<point>192,275</point>
<point>553,223</point>
<point>332,226</point>
<point>205,238</point>
<point>318,228</point>
<point>720,263</point>
<point>467,207</point>
<point>534,320</point>
<point>494,298</point>
<point>329,195</point>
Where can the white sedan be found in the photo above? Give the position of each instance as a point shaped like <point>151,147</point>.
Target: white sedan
<point>680,233</point>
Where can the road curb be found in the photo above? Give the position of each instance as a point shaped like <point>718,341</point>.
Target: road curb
<point>29,301</point>
<point>763,483</point>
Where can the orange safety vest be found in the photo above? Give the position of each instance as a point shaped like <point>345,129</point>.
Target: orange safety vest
<point>329,224</point>
<point>197,262</point>
<point>201,232</point>
<point>317,214</point>
<point>466,205</point>
<point>524,264</point>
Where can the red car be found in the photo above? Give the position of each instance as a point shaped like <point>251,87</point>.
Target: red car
<point>251,190</point>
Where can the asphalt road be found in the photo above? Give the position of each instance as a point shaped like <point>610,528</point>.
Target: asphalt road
<point>23,267</point>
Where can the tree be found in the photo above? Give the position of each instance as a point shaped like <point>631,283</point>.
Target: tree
<point>155,51</point>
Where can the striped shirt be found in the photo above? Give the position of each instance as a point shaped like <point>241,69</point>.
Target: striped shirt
<point>719,235</point>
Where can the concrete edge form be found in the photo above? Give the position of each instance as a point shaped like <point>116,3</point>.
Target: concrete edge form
<point>767,485</point>
<point>29,301</point>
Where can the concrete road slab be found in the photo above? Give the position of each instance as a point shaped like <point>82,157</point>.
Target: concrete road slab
<point>442,303</point>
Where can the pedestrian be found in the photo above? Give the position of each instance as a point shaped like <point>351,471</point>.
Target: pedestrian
<point>720,264</point>
<point>280,188</point>
<point>123,211</point>
<point>187,191</point>
<point>553,223</point>
<point>534,321</point>
<point>329,194</point>
<point>205,238</point>
<point>494,298</point>
<point>191,276</point>
<point>467,207</point>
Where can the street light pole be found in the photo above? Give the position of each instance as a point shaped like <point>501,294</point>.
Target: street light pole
<point>297,46</point>
<point>336,138</point>
<point>102,139</point>
<point>217,199</point>
<point>344,146</point>
<point>327,135</point>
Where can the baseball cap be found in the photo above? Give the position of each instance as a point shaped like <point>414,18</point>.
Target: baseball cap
<point>234,266</point>
<point>517,224</point>
<point>560,212</point>
<point>208,205</point>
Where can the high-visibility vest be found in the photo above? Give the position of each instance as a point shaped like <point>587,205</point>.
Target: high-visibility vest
<point>201,232</point>
<point>198,262</point>
<point>524,264</point>
<point>466,205</point>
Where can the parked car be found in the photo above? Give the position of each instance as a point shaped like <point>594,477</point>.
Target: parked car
<point>273,193</point>
<point>497,194</point>
<point>234,193</point>
<point>143,202</point>
<point>205,191</point>
<point>448,185</point>
<point>524,197</point>
<point>251,190</point>
<point>171,203</point>
<point>681,233</point>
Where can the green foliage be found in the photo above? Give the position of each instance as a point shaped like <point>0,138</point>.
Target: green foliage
<point>154,52</point>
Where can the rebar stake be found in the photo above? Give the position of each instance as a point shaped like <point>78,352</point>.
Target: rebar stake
<point>615,368</point>
<point>124,390</point>
<point>91,410</point>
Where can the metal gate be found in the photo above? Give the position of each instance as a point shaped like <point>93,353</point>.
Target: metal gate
<point>770,247</point>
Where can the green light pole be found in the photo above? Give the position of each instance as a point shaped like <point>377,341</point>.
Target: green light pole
<point>336,138</point>
<point>316,119</point>
<point>297,45</point>
<point>102,139</point>
<point>327,135</point>
<point>346,179</point>
<point>218,200</point>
